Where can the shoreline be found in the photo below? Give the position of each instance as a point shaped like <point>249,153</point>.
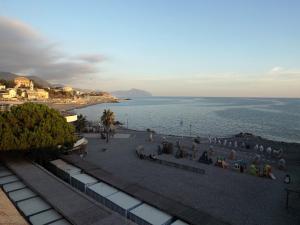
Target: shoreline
<point>67,107</point>
<point>289,147</point>
<point>63,106</point>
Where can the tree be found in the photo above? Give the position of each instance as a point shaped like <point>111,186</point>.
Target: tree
<point>107,120</point>
<point>8,83</point>
<point>80,123</point>
<point>34,127</point>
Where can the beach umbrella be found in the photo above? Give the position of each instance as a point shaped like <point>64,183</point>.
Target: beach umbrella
<point>209,139</point>
<point>261,148</point>
<point>269,150</point>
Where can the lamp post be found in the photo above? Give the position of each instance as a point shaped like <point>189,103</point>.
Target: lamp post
<point>190,129</point>
<point>126,120</point>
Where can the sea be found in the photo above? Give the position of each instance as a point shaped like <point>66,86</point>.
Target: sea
<point>272,118</point>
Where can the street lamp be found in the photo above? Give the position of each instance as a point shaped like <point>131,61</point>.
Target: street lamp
<point>126,120</point>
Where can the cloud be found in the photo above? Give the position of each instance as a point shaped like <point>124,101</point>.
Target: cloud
<point>91,58</point>
<point>276,69</point>
<point>282,73</point>
<point>24,50</point>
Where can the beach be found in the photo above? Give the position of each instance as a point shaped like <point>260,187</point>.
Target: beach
<point>63,106</point>
<point>234,197</point>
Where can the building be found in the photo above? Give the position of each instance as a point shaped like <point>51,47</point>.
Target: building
<point>67,89</point>
<point>2,87</point>
<point>22,82</point>
<point>70,117</point>
<point>38,94</point>
<point>10,93</point>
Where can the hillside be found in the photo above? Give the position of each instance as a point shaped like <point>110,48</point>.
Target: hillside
<point>37,80</point>
<point>132,93</point>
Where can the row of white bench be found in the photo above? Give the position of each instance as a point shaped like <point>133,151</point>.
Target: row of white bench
<point>126,205</point>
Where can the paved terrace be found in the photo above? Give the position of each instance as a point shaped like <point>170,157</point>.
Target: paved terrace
<point>219,194</point>
<point>157,200</point>
<point>75,206</point>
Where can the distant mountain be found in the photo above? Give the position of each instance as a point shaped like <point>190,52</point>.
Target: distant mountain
<point>132,93</point>
<point>7,76</point>
<point>37,80</point>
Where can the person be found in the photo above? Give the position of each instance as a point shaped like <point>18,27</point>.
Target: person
<point>194,150</point>
<point>151,136</point>
<point>204,158</point>
<point>241,168</point>
<point>257,159</point>
<point>210,151</point>
<point>232,155</point>
<point>235,144</point>
<point>282,164</point>
<point>253,170</point>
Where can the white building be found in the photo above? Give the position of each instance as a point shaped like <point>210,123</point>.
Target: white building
<point>38,94</point>
<point>67,89</point>
<point>10,93</point>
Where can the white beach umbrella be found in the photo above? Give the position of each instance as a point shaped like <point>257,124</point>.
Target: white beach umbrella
<point>261,148</point>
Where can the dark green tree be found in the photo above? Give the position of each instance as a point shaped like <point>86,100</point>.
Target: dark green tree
<point>108,120</point>
<point>33,126</point>
<point>8,83</point>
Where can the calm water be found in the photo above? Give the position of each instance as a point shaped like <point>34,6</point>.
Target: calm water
<point>277,119</point>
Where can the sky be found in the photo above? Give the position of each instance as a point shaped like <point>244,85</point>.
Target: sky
<point>236,48</point>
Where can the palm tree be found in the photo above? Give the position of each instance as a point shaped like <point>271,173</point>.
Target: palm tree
<point>108,120</point>
<point>80,123</point>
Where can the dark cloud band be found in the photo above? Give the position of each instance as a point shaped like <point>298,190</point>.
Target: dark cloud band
<point>23,50</point>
